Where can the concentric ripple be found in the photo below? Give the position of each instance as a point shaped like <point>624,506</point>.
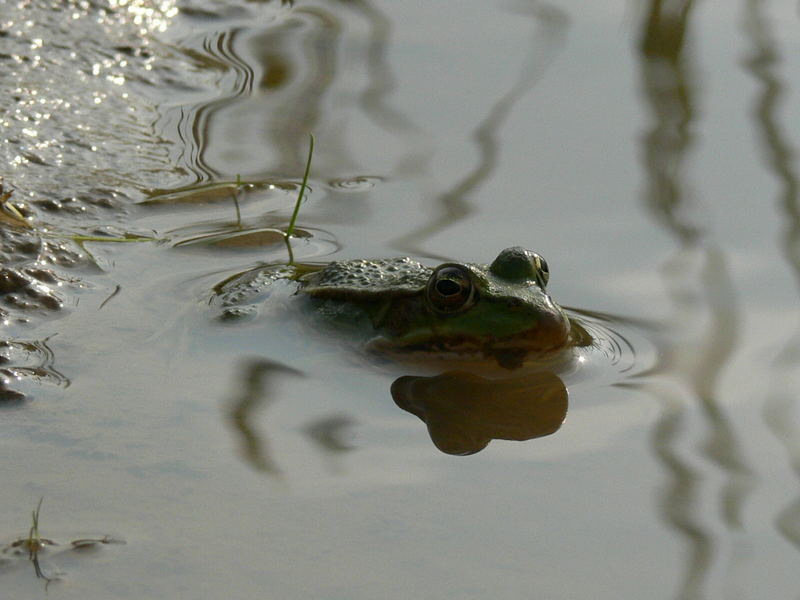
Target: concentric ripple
<point>362,183</point>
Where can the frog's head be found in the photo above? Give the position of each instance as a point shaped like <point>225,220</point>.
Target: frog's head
<point>503,306</point>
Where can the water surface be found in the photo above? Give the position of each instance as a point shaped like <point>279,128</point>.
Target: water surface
<point>646,149</point>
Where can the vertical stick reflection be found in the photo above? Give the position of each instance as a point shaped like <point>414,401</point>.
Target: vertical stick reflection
<point>762,63</point>
<point>706,321</point>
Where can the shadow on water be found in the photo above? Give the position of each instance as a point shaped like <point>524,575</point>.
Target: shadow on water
<point>762,63</point>
<point>702,292</point>
<point>548,36</point>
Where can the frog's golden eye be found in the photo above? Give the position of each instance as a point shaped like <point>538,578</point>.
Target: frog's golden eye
<point>543,270</point>
<point>450,289</point>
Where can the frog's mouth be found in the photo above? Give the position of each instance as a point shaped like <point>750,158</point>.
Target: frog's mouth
<point>548,336</point>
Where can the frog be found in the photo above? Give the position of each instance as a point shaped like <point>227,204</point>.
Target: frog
<point>500,310</point>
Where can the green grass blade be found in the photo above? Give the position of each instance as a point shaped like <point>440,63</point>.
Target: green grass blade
<point>303,187</point>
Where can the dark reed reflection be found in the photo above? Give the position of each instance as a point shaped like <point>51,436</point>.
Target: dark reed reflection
<point>330,433</point>
<point>763,63</point>
<point>273,80</point>
<point>256,382</point>
<point>375,98</point>
<point>331,436</point>
<point>669,93</point>
<point>255,395</point>
<point>464,411</point>
<point>276,86</point>
<point>453,204</point>
<point>218,54</point>
<point>701,289</point>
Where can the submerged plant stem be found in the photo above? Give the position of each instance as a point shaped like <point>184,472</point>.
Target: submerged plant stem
<point>235,196</point>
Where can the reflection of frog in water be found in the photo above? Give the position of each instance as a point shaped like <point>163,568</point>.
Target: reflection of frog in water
<point>464,411</point>
<point>501,310</point>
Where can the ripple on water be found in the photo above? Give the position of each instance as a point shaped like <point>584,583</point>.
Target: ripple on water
<point>78,120</point>
<point>235,216</point>
<point>361,183</point>
<point>23,363</point>
<point>306,242</point>
<point>619,348</point>
<point>75,113</point>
